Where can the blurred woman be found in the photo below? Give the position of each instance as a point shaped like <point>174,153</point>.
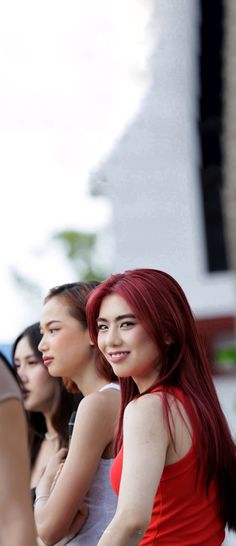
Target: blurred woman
<point>175,469</point>
<point>80,502</point>
<point>46,401</point>
<point>16,515</point>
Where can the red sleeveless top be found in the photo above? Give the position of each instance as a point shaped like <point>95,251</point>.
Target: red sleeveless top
<point>182,513</point>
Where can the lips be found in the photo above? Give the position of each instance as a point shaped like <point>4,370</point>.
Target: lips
<point>118,356</point>
<point>47,360</point>
<point>25,393</point>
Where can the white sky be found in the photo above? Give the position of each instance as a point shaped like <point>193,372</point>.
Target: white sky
<point>71,75</point>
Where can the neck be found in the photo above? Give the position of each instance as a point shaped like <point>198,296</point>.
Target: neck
<point>51,431</point>
<point>88,380</point>
<point>88,387</point>
<point>144,383</point>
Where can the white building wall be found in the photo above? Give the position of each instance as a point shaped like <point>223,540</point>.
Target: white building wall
<point>152,176</point>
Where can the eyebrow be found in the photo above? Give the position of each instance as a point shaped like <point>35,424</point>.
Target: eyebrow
<point>27,357</point>
<point>49,323</point>
<point>120,317</point>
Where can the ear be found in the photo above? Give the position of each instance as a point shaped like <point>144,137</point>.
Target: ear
<point>91,342</point>
<point>89,338</point>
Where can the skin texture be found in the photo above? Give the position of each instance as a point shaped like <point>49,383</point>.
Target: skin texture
<point>65,340</point>
<point>122,332</point>
<point>67,346</point>
<point>39,391</point>
<point>15,499</point>
<point>38,385</point>
<point>147,444</point>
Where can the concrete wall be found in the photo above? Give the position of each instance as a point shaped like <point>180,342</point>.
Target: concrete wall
<point>152,176</point>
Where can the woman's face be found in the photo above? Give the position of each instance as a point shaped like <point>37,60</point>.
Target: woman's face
<point>65,344</point>
<point>125,344</point>
<point>38,387</point>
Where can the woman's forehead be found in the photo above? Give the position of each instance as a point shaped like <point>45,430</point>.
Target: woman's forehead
<point>113,305</point>
<point>54,309</point>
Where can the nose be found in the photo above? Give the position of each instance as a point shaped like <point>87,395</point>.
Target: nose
<point>42,344</point>
<point>22,374</point>
<point>113,337</point>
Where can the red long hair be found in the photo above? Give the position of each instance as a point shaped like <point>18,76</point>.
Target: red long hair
<point>160,304</point>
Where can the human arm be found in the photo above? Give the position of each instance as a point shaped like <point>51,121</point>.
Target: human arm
<point>51,472</point>
<point>146,442</point>
<point>57,515</point>
<point>57,474</point>
<point>16,516</point>
<point>47,483</point>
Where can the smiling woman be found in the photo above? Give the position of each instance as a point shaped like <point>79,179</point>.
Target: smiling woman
<point>125,343</point>
<point>175,469</point>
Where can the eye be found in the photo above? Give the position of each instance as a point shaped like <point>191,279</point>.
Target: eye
<point>33,362</point>
<point>102,327</point>
<point>52,330</point>
<point>127,324</point>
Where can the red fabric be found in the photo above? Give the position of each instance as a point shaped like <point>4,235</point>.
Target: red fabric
<point>182,513</point>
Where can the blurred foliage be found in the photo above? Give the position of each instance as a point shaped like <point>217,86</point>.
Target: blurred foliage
<point>26,285</point>
<point>80,249</point>
<point>226,356</point>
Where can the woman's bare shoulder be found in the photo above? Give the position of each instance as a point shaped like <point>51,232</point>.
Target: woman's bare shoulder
<point>98,405</point>
<point>147,403</point>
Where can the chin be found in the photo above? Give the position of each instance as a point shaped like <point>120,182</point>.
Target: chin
<point>121,373</point>
<point>32,407</point>
<point>53,372</point>
<point>28,407</point>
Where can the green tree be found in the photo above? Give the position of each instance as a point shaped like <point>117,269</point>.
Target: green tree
<point>80,250</point>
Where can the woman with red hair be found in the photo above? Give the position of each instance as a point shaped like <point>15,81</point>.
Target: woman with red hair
<point>78,502</point>
<point>175,468</point>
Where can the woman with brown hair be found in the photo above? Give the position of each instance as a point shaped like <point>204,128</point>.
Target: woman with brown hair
<point>80,503</point>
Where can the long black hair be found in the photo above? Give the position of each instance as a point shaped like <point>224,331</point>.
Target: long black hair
<point>62,406</point>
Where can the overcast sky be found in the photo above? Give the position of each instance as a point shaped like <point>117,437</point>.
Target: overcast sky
<point>71,75</point>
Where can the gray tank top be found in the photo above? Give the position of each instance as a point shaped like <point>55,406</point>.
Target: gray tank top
<point>101,501</point>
